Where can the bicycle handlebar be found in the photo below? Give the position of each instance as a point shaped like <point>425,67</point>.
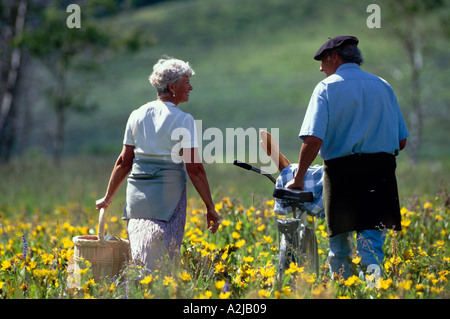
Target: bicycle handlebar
<point>251,168</point>
<point>280,193</point>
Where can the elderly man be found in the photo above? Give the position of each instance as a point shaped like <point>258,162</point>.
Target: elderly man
<point>354,123</point>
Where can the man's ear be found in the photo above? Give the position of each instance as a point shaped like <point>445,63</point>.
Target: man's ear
<point>334,56</point>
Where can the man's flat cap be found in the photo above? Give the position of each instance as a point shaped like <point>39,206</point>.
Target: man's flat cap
<point>335,43</point>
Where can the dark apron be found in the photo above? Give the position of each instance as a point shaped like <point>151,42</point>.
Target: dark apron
<point>360,192</point>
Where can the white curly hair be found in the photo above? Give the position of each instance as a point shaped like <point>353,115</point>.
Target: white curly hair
<point>167,71</point>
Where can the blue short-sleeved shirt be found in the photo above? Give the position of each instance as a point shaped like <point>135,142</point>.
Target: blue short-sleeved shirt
<point>352,112</point>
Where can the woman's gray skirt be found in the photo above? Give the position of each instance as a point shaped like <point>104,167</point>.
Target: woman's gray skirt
<point>153,240</point>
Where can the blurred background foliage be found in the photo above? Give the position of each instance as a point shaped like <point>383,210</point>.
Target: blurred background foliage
<point>68,93</point>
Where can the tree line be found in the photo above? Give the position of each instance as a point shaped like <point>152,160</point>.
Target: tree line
<point>36,29</point>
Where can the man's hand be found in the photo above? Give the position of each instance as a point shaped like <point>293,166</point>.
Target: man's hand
<point>295,184</point>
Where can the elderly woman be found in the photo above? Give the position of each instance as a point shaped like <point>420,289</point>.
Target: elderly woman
<point>158,159</point>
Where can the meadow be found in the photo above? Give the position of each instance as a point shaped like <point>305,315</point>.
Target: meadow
<point>43,208</point>
<point>254,68</point>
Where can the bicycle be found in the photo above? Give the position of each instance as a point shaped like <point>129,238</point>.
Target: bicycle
<point>297,241</point>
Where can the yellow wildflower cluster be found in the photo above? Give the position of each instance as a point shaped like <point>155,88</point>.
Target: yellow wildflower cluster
<point>239,261</point>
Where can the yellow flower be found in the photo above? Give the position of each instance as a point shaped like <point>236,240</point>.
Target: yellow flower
<point>219,206</point>
<point>224,255</point>
<point>286,290</point>
<point>226,222</point>
<point>309,278</point>
<point>207,295</point>
<point>405,222</point>
<point>440,242</point>
<point>6,265</point>
<point>220,267</point>
<point>427,205</point>
<point>248,259</point>
<point>235,235</point>
<point>385,284</point>
<point>356,260</point>
<point>185,276</point>
<point>270,202</point>
<point>408,254</point>
<point>263,293</point>
<point>395,260</point>
<point>88,285</point>
<point>442,275</point>
<point>264,253</point>
<point>219,284</point>
<point>261,228</point>
<point>114,219</point>
<point>405,284</point>
<point>267,239</point>
<point>352,280</point>
<point>224,295</point>
<point>240,243</point>
<point>268,272</point>
<point>67,243</point>
<point>148,279</point>
<point>168,280</point>
<point>31,265</point>
<point>293,268</point>
<point>47,258</point>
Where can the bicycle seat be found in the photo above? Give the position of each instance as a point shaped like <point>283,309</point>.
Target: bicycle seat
<point>293,195</point>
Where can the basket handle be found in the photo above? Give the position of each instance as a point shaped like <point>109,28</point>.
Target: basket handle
<point>101,224</point>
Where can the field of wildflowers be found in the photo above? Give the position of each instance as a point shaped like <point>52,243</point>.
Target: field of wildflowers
<point>239,261</point>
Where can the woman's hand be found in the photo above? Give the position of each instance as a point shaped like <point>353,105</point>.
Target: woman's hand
<point>102,203</point>
<point>212,220</point>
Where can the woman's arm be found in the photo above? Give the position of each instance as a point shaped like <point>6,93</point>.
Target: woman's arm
<point>197,175</point>
<point>120,171</point>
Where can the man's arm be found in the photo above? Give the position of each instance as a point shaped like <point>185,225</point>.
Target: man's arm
<point>402,144</point>
<point>308,152</point>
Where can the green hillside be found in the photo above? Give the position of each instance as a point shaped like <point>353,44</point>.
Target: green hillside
<point>254,68</point>
<point>253,61</point>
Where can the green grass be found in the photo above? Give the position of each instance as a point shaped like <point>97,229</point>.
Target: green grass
<point>34,185</point>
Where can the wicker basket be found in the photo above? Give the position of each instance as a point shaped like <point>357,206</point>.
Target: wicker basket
<point>106,257</point>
